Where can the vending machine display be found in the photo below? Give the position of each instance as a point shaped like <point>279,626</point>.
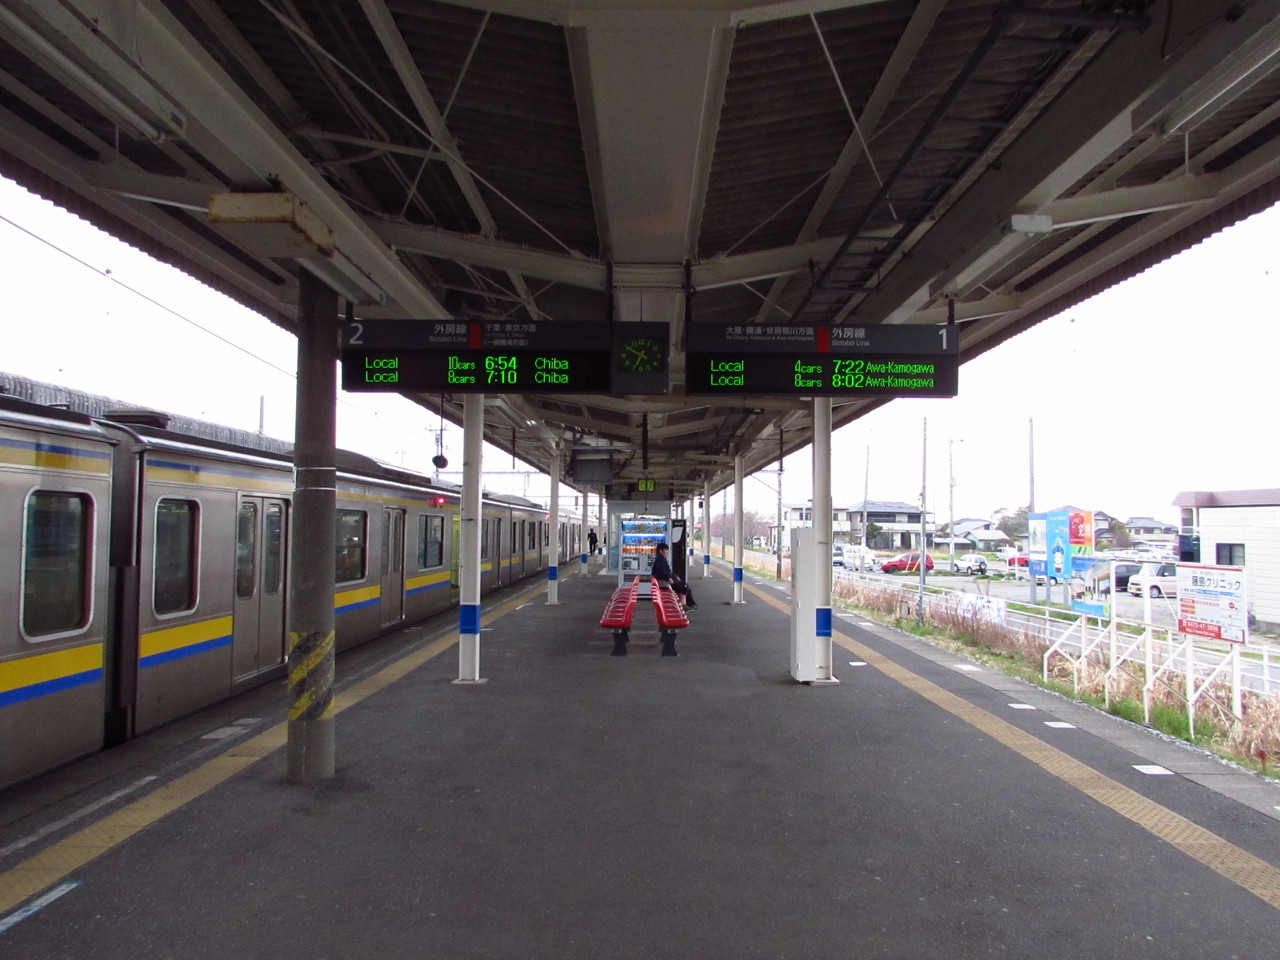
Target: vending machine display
<point>640,537</point>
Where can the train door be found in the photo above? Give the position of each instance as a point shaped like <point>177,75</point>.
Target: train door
<point>455,554</point>
<point>392,565</point>
<point>262,530</point>
<point>517,549</point>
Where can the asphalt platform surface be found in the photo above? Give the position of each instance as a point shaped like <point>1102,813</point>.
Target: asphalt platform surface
<point>579,805</point>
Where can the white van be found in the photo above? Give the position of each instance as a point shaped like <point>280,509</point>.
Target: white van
<point>856,556</point>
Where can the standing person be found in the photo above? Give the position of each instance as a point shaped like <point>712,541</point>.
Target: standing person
<point>592,540</point>
<point>661,570</point>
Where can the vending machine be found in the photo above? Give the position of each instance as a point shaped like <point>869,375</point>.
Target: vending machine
<point>639,537</point>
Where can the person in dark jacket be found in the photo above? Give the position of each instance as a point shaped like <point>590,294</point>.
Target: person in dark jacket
<point>661,570</point>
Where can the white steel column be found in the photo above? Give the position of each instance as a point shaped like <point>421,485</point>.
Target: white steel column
<point>706,530</point>
<point>822,535</point>
<point>553,559</point>
<point>739,553</point>
<point>691,552</point>
<point>469,540</point>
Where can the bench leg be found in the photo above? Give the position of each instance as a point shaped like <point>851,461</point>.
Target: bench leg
<point>619,643</point>
<point>668,638</point>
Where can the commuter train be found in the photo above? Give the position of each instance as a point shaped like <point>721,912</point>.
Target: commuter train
<point>144,572</point>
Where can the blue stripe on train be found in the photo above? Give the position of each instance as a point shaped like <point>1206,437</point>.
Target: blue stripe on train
<point>181,653</point>
<point>47,687</point>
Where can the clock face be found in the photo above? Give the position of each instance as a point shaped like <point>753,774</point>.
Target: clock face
<point>641,355</point>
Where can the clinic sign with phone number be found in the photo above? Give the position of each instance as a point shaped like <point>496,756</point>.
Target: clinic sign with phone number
<point>1212,602</point>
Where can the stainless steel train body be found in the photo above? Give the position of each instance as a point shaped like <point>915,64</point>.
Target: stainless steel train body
<point>147,572</point>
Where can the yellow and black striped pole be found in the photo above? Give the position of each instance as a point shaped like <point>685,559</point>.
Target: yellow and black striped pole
<point>311,576</point>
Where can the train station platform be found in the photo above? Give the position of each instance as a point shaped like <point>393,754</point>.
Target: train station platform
<point>580,805</point>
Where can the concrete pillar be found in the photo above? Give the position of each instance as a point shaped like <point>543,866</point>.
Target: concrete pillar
<point>739,550</point>
<point>553,561</point>
<point>822,534</point>
<point>311,752</point>
<point>469,539</point>
<point>706,530</point>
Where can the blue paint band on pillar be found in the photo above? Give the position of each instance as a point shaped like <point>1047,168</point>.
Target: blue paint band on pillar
<point>737,574</point>
<point>706,558</point>
<point>823,617</point>
<point>469,618</point>
<point>584,558</point>
<point>553,572</point>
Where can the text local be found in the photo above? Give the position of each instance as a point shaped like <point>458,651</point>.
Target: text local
<point>732,373</point>
<point>497,369</point>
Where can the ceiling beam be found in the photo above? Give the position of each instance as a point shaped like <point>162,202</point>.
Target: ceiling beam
<point>1088,121</point>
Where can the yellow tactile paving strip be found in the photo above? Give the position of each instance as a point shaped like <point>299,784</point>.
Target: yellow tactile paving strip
<point>1239,866</point>
<point>54,863</point>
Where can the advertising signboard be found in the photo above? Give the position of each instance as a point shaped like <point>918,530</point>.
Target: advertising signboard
<point>1212,602</point>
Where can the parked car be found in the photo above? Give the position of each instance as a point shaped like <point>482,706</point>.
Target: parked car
<point>837,555</point>
<point>906,562</point>
<point>858,557</point>
<point>1099,576</point>
<point>969,563</point>
<point>1156,579</point>
<point>1017,559</point>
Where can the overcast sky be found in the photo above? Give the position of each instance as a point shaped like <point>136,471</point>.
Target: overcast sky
<point>1167,382</point>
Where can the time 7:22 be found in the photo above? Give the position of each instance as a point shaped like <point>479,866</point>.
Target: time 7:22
<point>848,366</point>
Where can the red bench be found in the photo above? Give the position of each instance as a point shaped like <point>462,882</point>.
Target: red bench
<point>669,609</point>
<point>618,613</point>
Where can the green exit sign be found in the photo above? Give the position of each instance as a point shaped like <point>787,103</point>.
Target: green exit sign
<point>647,485</point>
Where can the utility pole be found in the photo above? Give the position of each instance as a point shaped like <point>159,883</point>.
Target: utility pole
<point>924,481</point>
<point>866,492</point>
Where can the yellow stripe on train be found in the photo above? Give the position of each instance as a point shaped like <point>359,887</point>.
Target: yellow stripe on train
<point>50,668</point>
<point>51,460</point>
<point>163,643</point>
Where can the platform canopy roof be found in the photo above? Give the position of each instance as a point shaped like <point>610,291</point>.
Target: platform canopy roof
<point>789,163</point>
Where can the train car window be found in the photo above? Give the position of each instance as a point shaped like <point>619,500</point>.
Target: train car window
<point>177,537</point>
<point>273,549</point>
<point>546,534</point>
<point>430,541</point>
<point>515,543</point>
<point>531,540</point>
<point>56,563</point>
<point>486,534</point>
<point>246,550</point>
<point>350,544</point>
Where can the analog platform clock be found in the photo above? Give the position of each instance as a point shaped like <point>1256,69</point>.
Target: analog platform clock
<point>641,358</point>
<point>642,355</point>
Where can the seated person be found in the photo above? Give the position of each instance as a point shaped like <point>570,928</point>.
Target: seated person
<point>662,571</point>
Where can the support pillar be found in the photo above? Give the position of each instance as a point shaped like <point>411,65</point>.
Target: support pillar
<point>706,531</point>
<point>822,537</point>
<point>553,560</point>
<point>311,753</point>
<point>469,540</point>
<point>739,551</point>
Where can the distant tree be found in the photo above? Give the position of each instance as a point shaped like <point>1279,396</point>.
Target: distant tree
<point>1014,525</point>
<point>873,531</point>
<point>1120,536</point>
<point>754,525</point>
<point>722,527</point>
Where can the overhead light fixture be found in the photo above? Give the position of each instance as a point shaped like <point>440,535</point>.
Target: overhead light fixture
<point>1223,68</point>
<point>161,117</point>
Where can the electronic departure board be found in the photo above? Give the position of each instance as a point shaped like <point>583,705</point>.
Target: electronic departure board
<point>822,375</point>
<point>455,356</point>
<point>876,360</point>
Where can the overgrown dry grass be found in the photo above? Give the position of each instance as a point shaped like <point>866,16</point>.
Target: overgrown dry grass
<point>1252,739</point>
